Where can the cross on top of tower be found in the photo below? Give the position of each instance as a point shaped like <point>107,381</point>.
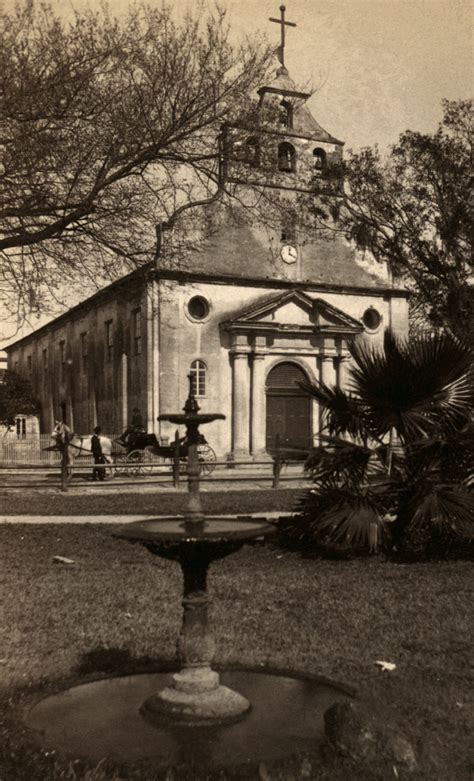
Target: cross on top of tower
<point>283,23</point>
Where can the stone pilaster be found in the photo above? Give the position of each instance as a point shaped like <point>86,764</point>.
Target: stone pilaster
<point>343,369</point>
<point>150,423</point>
<point>123,391</point>
<point>240,405</point>
<point>258,411</point>
<point>328,377</point>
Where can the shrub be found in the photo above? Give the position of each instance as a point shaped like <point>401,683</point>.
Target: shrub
<point>395,470</point>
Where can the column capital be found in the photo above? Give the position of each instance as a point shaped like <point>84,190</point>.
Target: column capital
<point>328,356</point>
<point>239,342</point>
<point>240,352</point>
<point>258,356</point>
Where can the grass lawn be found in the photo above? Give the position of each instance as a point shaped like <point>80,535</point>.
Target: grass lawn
<point>118,608</point>
<point>226,502</point>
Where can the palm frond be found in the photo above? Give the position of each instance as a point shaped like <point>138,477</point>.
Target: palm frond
<point>451,457</point>
<point>345,414</point>
<point>413,386</point>
<point>345,518</point>
<point>340,462</point>
<point>444,506</point>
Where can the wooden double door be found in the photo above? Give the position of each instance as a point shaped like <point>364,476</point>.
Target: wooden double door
<point>288,416</point>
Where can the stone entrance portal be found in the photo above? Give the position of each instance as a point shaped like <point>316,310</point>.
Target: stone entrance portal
<point>288,415</point>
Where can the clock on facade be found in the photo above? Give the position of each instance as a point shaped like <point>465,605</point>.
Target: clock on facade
<point>289,253</point>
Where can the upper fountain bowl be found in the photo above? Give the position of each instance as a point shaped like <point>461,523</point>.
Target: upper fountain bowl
<point>192,418</point>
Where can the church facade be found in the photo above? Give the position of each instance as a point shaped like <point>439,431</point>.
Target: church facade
<point>257,309</point>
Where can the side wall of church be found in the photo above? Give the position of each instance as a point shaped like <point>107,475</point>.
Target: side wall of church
<point>89,365</point>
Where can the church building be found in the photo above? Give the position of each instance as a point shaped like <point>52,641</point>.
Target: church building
<point>255,309</point>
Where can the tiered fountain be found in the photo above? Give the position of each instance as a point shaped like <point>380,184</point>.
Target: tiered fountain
<point>191,719</point>
<point>195,695</point>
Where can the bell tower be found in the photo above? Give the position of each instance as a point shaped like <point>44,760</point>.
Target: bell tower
<point>282,146</point>
<point>282,149</point>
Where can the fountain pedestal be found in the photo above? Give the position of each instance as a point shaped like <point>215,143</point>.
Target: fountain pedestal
<point>195,695</point>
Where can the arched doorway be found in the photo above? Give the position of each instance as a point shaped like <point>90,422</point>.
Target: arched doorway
<point>288,409</point>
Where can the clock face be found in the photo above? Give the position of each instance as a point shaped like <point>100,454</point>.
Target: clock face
<point>289,253</point>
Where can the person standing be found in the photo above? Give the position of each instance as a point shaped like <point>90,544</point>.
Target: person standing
<point>96,448</point>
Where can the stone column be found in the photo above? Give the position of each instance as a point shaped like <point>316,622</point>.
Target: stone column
<point>240,405</point>
<point>344,364</point>
<point>258,412</point>
<point>328,373</point>
<point>328,377</point>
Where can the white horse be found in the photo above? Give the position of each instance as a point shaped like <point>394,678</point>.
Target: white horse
<point>78,445</point>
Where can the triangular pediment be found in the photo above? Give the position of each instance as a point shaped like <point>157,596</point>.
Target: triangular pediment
<point>293,309</point>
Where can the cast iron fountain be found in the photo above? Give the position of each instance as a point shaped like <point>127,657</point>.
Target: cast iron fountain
<point>195,720</point>
<point>196,695</point>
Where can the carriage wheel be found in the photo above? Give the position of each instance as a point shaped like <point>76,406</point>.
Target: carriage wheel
<point>146,467</point>
<point>120,465</point>
<point>151,459</point>
<point>207,459</point>
<point>134,462</point>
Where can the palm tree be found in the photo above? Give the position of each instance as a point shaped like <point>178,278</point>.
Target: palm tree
<point>398,454</point>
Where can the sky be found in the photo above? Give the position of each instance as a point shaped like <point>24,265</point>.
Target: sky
<point>377,67</point>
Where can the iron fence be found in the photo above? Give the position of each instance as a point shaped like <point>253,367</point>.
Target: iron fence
<point>18,451</point>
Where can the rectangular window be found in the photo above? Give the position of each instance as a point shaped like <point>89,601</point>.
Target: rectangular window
<point>109,339</point>
<point>29,367</point>
<point>84,351</point>
<point>62,359</point>
<point>137,331</point>
<point>20,424</point>
<point>198,378</point>
<point>45,362</point>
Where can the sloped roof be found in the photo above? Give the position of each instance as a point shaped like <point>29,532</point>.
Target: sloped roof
<point>284,84</point>
<point>303,120</point>
<point>246,250</point>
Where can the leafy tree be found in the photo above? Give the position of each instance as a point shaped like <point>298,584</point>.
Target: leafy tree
<point>398,459</point>
<point>108,129</point>
<point>411,210</point>
<point>16,398</point>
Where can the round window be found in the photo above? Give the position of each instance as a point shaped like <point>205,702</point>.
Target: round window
<point>371,319</point>
<point>198,308</point>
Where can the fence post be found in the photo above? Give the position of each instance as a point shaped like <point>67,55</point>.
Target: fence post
<point>64,465</point>
<point>176,460</point>
<point>276,463</point>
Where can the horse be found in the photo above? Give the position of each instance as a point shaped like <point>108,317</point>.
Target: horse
<point>77,445</point>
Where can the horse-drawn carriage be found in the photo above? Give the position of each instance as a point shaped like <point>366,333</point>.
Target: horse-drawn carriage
<point>144,453</point>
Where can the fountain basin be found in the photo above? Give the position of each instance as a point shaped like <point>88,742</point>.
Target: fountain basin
<point>210,530</point>
<point>103,718</point>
